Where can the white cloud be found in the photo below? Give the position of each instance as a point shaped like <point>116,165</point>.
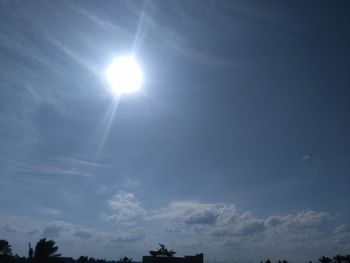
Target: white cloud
<point>192,212</point>
<point>219,220</point>
<point>126,208</point>
<point>244,224</point>
<point>297,222</point>
<point>220,225</point>
<point>341,229</point>
<point>310,218</point>
<point>216,228</point>
<point>342,236</point>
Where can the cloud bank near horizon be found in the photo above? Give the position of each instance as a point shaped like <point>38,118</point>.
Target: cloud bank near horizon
<point>189,227</point>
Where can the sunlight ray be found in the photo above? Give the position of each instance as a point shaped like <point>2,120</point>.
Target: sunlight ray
<point>104,128</point>
<point>140,31</point>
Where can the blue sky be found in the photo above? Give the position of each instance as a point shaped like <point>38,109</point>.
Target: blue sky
<point>236,145</point>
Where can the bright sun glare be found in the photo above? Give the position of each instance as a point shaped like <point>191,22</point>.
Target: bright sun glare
<point>124,75</point>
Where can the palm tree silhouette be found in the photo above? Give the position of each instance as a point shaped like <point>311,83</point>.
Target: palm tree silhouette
<point>5,248</point>
<point>324,259</point>
<point>45,251</point>
<point>338,258</point>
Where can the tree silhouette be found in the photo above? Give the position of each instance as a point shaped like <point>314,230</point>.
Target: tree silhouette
<point>45,251</point>
<point>324,259</point>
<point>83,259</point>
<point>5,252</point>
<point>5,248</point>
<point>125,260</point>
<point>338,258</point>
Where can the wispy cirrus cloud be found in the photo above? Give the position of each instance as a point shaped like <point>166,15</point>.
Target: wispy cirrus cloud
<point>63,167</point>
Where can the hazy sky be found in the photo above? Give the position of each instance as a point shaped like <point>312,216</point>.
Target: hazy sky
<point>237,144</point>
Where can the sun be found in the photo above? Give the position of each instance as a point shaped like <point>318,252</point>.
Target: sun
<point>124,75</point>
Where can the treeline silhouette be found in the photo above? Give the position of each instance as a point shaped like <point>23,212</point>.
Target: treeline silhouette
<point>46,252</point>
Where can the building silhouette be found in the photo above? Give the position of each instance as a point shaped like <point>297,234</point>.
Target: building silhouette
<point>198,258</point>
<point>163,255</point>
